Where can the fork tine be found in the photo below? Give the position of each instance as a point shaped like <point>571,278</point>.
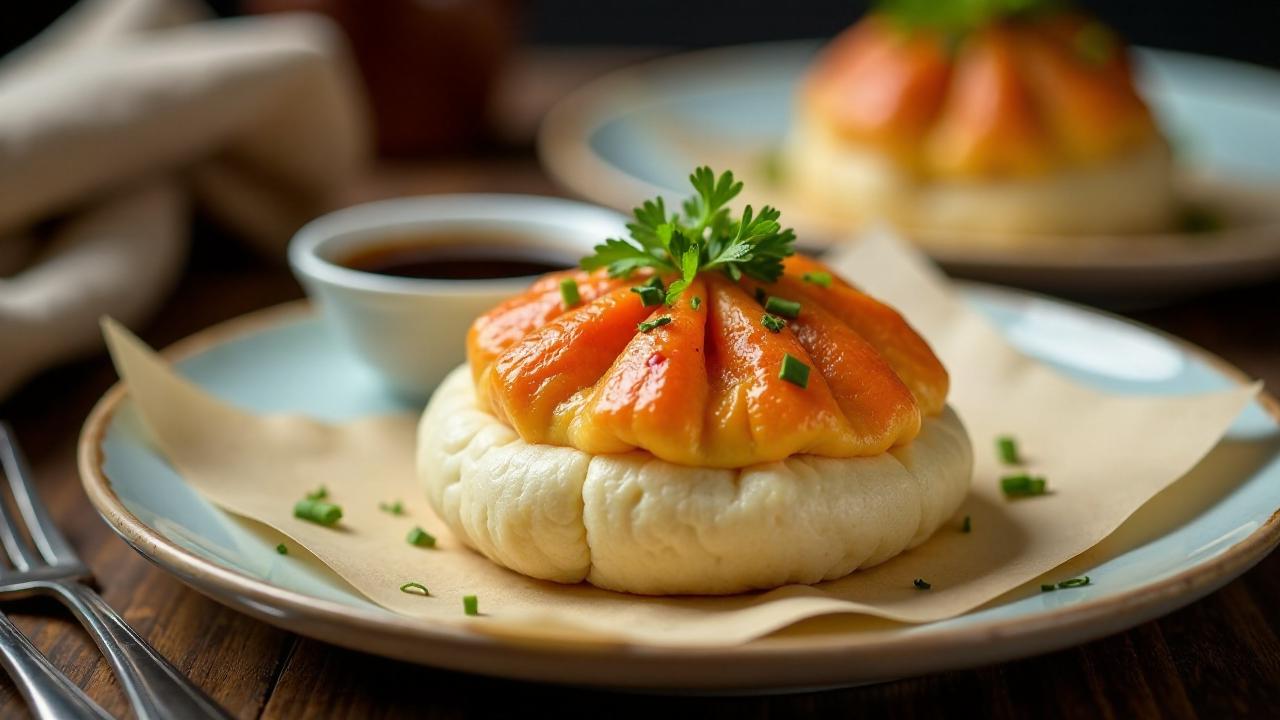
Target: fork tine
<point>44,533</point>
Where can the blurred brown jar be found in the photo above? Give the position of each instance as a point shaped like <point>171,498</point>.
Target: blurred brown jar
<point>429,65</point>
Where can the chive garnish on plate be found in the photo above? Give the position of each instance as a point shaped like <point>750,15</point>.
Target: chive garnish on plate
<point>773,323</point>
<point>696,302</point>
<point>783,307</point>
<point>281,549</point>
<point>1066,584</point>
<point>657,322</point>
<point>319,493</point>
<point>317,511</point>
<point>794,371</point>
<point>569,292</point>
<point>471,605</point>
<point>393,508</point>
<point>819,278</point>
<point>415,588</point>
<point>421,538</point>
<point>1007,447</point>
<point>1022,485</point>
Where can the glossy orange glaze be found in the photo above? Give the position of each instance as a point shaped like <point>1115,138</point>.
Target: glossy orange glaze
<point>1019,97</point>
<point>705,389</point>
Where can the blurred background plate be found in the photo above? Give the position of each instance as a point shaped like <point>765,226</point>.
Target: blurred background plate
<point>1204,530</point>
<point>636,132</point>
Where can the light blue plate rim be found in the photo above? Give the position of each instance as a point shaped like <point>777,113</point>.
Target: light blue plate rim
<point>772,662</point>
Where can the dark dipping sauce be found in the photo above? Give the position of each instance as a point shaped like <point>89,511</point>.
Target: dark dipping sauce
<point>457,256</point>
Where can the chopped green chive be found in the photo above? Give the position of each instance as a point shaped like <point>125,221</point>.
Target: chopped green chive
<point>569,292</point>
<point>785,308</point>
<point>821,279</point>
<point>282,549</point>
<point>966,526</point>
<point>649,295</point>
<point>394,508</point>
<point>471,605</point>
<point>794,371</point>
<point>1066,584</point>
<point>421,538</point>
<point>1008,449</point>
<point>648,325</point>
<point>696,302</point>
<point>414,588</point>
<point>319,493</point>
<point>1022,485</point>
<point>317,511</point>
<point>921,584</point>
<point>773,323</point>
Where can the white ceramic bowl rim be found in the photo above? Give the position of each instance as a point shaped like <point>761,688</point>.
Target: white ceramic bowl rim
<point>532,215</point>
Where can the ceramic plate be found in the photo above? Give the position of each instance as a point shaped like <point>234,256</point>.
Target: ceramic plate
<point>1208,528</point>
<point>636,133</point>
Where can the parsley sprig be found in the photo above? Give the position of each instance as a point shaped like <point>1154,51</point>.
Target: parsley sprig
<point>703,237</point>
<point>960,15</point>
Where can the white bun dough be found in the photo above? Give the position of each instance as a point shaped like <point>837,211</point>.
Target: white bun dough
<point>852,184</point>
<point>637,524</point>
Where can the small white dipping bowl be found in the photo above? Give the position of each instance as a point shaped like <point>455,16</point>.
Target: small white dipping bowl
<point>413,331</point>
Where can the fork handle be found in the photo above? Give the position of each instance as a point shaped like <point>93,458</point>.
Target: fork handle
<point>156,689</point>
<point>50,695</point>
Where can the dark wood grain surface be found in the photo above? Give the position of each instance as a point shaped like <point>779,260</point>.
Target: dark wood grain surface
<point>1218,657</point>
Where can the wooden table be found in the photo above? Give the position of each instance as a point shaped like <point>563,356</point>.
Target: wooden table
<point>1218,657</point>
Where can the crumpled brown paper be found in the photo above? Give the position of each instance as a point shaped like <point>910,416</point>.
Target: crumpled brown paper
<point>1104,456</point>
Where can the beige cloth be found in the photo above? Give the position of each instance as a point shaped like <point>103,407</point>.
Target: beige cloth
<point>119,116</point>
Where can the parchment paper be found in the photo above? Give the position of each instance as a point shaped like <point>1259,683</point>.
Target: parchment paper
<point>1104,456</point>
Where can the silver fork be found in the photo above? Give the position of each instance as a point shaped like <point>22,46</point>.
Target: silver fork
<point>156,689</point>
<point>50,695</point>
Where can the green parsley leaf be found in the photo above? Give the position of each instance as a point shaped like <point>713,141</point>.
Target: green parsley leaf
<point>959,15</point>
<point>622,258</point>
<point>704,236</point>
